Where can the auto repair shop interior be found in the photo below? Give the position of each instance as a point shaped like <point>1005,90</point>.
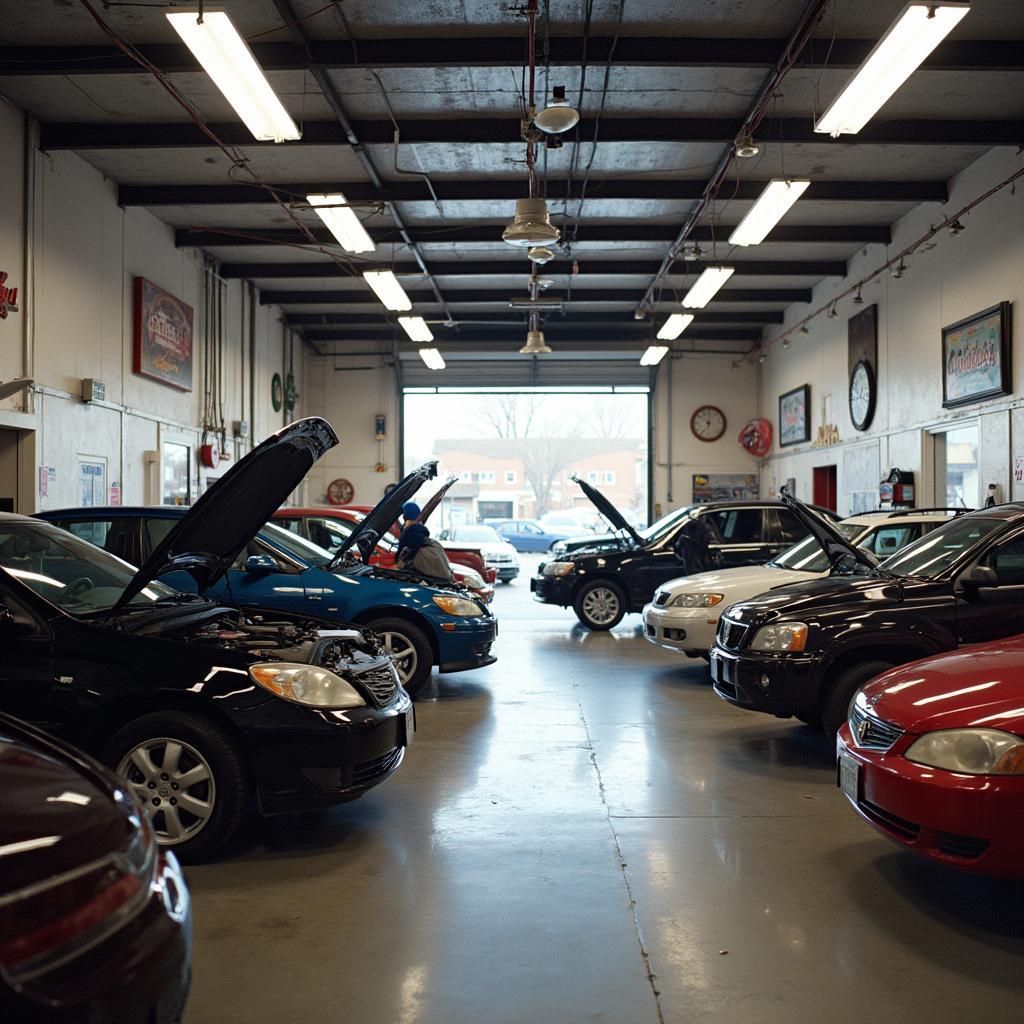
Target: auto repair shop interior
<point>511,511</point>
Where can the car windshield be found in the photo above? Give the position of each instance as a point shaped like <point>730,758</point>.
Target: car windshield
<point>476,534</point>
<point>928,556</point>
<point>296,546</point>
<point>807,556</point>
<point>658,530</point>
<point>73,574</point>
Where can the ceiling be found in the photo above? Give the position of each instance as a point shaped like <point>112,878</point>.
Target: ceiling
<point>665,85</point>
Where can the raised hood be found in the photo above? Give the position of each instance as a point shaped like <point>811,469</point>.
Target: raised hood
<point>379,519</point>
<point>832,542</point>
<point>213,533</point>
<point>437,498</point>
<point>607,509</point>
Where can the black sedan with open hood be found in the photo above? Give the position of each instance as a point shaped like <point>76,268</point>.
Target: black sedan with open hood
<point>198,707</point>
<point>620,573</point>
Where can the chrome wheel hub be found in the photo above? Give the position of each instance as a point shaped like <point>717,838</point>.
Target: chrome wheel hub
<point>601,605</point>
<point>403,654</point>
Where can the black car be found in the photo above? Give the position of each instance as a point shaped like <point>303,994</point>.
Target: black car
<point>200,708</point>
<point>619,573</point>
<point>806,649</point>
<point>95,919</point>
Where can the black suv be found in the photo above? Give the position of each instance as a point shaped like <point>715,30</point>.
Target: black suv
<point>620,573</point>
<point>806,649</point>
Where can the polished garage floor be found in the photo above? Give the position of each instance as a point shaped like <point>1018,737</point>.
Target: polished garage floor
<point>584,832</point>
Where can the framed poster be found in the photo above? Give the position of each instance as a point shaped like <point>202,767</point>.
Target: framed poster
<point>795,416</point>
<point>976,357</point>
<point>163,336</point>
<point>725,487</point>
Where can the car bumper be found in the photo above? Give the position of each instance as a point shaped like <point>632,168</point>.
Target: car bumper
<point>968,822</point>
<point>304,759</point>
<point>465,644</point>
<point>506,572</point>
<point>680,629</point>
<point>552,590</point>
<point>139,975</point>
<point>781,685</point>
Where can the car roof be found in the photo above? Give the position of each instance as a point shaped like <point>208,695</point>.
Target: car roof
<point>15,517</point>
<point>900,517</point>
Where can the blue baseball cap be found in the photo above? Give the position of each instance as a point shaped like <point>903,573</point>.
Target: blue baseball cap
<point>410,510</point>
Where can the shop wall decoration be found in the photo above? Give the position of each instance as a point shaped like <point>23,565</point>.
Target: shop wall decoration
<point>725,487</point>
<point>795,416</point>
<point>976,357</point>
<point>163,336</point>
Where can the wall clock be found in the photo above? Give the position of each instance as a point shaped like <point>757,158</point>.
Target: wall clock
<point>862,395</point>
<point>340,491</point>
<point>707,423</point>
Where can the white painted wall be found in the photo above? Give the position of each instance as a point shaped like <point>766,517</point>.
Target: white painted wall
<point>86,252</point>
<point>960,276</point>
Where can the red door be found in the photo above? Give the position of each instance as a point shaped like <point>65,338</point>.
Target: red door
<point>825,486</point>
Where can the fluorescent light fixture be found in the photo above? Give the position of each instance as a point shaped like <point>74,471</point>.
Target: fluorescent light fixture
<point>341,221</point>
<point>388,290</point>
<point>674,326</point>
<point>706,285</point>
<point>654,355</point>
<point>416,327</point>
<point>226,58</point>
<point>770,208</point>
<point>894,58</point>
<point>432,358</point>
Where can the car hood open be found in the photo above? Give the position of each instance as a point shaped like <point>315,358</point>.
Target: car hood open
<point>437,498</point>
<point>380,518</point>
<point>211,535</point>
<point>607,509</point>
<point>832,542</point>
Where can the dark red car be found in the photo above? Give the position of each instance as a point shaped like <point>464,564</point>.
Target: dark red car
<point>933,757</point>
<point>95,919</point>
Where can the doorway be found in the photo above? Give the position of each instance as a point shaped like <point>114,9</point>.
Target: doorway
<point>8,470</point>
<point>825,486</point>
<point>956,467</point>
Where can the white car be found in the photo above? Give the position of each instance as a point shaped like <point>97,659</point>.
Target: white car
<point>684,613</point>
<point>496,551</point>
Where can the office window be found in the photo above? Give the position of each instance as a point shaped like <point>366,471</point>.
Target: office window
<point>592,477</point>
<point>510,476</point>
<point>609,476</point>
<point>485,476</point>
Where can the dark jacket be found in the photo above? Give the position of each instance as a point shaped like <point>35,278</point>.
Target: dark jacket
<point>418,550</point>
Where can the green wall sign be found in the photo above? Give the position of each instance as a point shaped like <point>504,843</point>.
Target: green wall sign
<point>276,392</point>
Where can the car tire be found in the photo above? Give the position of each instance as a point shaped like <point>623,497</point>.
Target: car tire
<point>415,657</point>
<point>217,795</point>
<point>836,707</point>
<point>600,604</point>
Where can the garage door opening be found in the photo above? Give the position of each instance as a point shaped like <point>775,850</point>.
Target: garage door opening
<point>515,453</point>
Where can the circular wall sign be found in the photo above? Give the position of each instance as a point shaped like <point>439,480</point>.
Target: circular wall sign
<point>276,392</point>
<point>862,395</point>
<point>708,423</point>
<point>340,492</point>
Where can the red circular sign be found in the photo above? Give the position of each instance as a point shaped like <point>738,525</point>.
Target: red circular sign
<point>340,492</point>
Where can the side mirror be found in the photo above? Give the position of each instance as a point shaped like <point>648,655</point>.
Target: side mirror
<point>980,576</point>
<point>260,564</point>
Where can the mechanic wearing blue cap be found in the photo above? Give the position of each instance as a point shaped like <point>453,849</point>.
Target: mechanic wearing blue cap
<point>416,548</point>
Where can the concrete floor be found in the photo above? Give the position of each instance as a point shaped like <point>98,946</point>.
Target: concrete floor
<point>584,832</point>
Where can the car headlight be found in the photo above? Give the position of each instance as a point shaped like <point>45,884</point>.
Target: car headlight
<point>471,578</point>
<point>457,605</point>
<point>783,636</point>
<point>559,568</point>
<point>970,751</point>
<point>311,685</point>
<point>695,600</point>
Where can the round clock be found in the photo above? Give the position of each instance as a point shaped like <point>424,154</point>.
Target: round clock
<point>707,423</point>
<point>862,395</point>
<point>340,491</point>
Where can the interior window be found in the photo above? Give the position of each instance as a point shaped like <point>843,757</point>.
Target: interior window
<point>327,533</point>
<point>289,524</point>
<point>782,526</point>
<point>738,525</point>
<point>1008,562</point>
<point>887,540</point>
<point>156,531</point>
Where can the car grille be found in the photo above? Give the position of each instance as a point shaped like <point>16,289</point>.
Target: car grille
<point>731,634</point>
<point>499,560</point>
<point>968,847</point>
<point>381,684</point>
<point>661,598</point>
<point>871,733</point>
<point>909,830</point>
<point>336,780</point>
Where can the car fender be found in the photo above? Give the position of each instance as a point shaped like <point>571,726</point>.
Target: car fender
<point>852,646</point>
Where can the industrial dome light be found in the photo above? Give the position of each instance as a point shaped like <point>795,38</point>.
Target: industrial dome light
<point>557,116</point>
<point>540,254</point>
<point>534,344</point>
<point>531,225</point>
<point>746,147</point>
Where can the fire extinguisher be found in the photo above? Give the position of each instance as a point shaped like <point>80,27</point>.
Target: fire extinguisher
<point>756,437</point>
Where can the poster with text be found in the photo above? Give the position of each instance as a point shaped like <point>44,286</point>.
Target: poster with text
<point>976,357</point>
<point>163,336</point>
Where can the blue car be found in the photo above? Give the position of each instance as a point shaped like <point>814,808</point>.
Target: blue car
<point>421,625</point>
<point>527,534</point>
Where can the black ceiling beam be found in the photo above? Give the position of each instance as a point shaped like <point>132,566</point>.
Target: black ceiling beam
<point>462,51</point>
<point>498,130</point>
<point>510,333</point>
<point>491,233</point>
<point>482,190</point>
<point>624,321</point>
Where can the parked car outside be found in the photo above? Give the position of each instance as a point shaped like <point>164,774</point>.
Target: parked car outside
<point>572,522</point>
<point>527,534</point>
<point>95,919</point>
<point>932,756</point>
<point>419,623</point>
<point>497,552</point>
<point>199,708</point>
<point>806,649</point>
<point>684,614</point>
<point>613,576</point>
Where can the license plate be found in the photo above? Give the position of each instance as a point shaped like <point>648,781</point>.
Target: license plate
<point>849,777</point>
<point>410,725</point>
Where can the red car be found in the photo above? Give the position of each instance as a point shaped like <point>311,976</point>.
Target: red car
<point>933,757</point>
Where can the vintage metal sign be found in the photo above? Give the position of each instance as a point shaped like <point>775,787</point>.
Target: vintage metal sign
<point>163,336</point>
<point>8,297</point>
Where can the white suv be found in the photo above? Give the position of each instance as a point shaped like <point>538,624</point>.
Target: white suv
<point>684,613</point>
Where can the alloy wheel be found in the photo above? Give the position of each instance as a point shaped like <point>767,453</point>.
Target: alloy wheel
<point>403,654</point>
<point>175,783</point>
<point>601,605</point>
